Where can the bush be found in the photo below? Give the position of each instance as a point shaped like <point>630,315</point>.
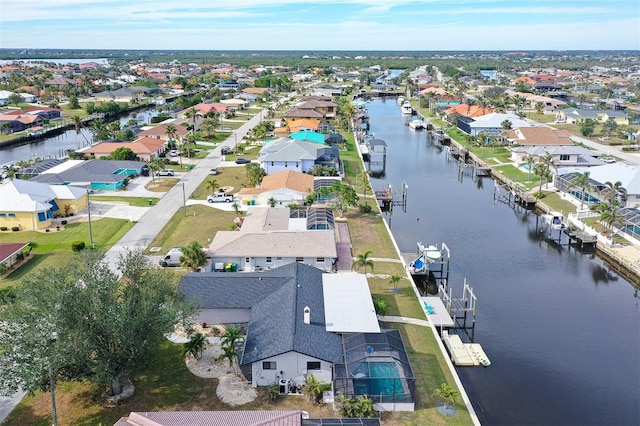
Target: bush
<point>7,294</point>
<point>364,208</point>
<point>3,228</point>
<point>15,228</point>
<point>64,222</point>
<point>3,268</point>
<point>78,246</point>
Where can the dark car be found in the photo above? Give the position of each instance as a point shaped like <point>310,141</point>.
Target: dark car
<point>241,160</point>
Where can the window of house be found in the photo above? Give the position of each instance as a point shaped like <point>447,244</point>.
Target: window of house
<point>565,157</point>
<point>247,260</point>
<point>272,163</point>
<point>3,215</point>
<point>313,365</point>
<point>12,215</point>
<point>41,216</point>
<point>299,259</point>
<point>268,260</point>
<point>278,258</point>
<point>268,365</point>
<point>285,164</point>
<point>320,259</point>
<point>297,165</point>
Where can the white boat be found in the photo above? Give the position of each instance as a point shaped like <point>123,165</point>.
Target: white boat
<point>426,255</point>
<point>554,220</point>
<point>400,100</point>
<point>406,108</point>
<point>417,124</point>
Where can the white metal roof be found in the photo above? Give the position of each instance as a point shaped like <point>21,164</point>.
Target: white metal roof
<point>348,307</point>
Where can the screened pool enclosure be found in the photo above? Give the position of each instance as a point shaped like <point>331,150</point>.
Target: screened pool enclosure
<point>377,365</point>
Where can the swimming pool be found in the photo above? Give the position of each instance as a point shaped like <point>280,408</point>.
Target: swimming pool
<point>382,378</point>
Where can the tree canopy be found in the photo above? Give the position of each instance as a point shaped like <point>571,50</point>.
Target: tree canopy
<point>84,321</point>
<point>123,153</point>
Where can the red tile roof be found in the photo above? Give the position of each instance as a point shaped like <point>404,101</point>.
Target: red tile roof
<point>9,249</point>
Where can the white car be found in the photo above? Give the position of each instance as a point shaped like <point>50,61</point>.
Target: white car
<point>166,172</point>
<point>609,160</point>
<point>173,153</point>
<point>220,197</point>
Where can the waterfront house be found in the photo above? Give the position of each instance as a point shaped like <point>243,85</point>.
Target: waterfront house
<point>298,155</point>
<point>538,136</point>
<point>146,148</point>
<point>301,321</point>
<point>31,205</point>
<point>318,111</point>
<point>160,132</point>
<point>284,187</point>
<point>491,124</point>
<point>628,175</point>
<point>563,155</point>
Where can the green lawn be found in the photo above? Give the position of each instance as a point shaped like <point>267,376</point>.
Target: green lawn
<point>132,201</point>
<point>181,229</point>
<point>55,247</point>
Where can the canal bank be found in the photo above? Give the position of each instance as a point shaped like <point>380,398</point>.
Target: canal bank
<point>624,258</point>
<point>548,317</point>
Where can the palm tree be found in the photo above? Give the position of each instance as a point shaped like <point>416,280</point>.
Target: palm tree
<point>171,132</point>
<point>77,123</point>
<point>530,161</point>
<point>582,182</point>
<point>230,353</point>
<point>362,260</point>
<point>153,168</point>
<point>272,202</point>
<point>213,185</point>
<point>394,280</point>
<point>193,114</point>
<point>195,346</point>
<point>613,190</point>
<point>446,393</point>
<point>193,256</point>
<point>549,163</point>
<point>255,173</point>
<point>540,170</point>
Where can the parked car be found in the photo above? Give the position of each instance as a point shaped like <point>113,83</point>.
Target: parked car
<point>225,150</point>
<point>213,171</point>
<point>166,172</point>
<point>220,197</point>
<point>609,160</point>
<point>173,153</point>
<point>241,160</point>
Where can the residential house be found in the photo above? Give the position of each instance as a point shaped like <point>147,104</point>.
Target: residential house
<point>215,418</point>
<point>537,136</point>
<point>320,111</point>
<point>573,115</point>
<point>263,250</point>
<point>17,123</point>
<point>491,124</point>
<point>284,188</point>
<point>301,322</point>
<point>628,175</point>
<point>563,155</point>
<point>32,205</point>
<point>146,148</point>
<point>328,90</point>
<point>109,175</point>
<point>10,253</point>
<point>290,154</point>
<point>160,132</point>
<point>124,94</point>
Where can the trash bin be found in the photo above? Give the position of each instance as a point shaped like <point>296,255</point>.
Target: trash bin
<point>190,166</point>
<point>150,202</point>
<point>234,267</point>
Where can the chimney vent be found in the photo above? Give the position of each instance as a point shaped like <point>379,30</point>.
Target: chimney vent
<point>307,315</point>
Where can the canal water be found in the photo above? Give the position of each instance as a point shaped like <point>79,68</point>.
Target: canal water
<point>55,147</point>
<point>561,328</point>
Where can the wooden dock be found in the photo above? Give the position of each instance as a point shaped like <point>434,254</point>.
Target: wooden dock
<point>582,238</point>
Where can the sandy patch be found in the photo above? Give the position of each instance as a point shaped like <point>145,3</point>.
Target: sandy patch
<point>231,389</point>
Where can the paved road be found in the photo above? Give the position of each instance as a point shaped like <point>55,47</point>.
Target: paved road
<point>150,224</point>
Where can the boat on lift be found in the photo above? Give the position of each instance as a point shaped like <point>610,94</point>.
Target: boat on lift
<point>400,100</point>
<point>426,255</point>
<point>554,220</point>
<point>406,108</point>
<point>417,124</point>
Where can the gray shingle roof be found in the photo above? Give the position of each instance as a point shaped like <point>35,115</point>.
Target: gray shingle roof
<point>91,171</point>
<point>277,299</point>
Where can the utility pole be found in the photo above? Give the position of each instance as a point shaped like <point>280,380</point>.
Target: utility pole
<point>184,200</point>
<point>89,213</point>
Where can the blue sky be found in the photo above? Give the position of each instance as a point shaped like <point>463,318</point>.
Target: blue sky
<point>321,25</point>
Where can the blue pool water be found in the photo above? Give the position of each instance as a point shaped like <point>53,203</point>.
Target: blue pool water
<point>383,379</point>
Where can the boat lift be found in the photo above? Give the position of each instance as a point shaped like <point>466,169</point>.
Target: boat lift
<point>461,310</point>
